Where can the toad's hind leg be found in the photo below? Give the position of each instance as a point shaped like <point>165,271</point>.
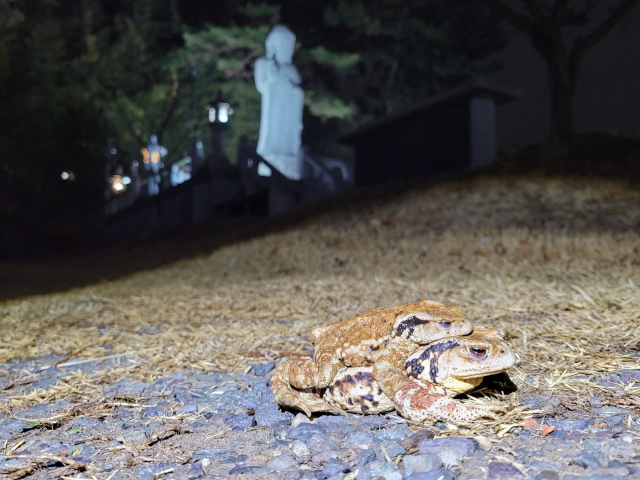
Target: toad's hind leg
<point>304,372</point>
<point>288,396</point>
<point>420,401</point>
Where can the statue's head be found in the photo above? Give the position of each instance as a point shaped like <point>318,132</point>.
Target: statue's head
<point>280,44</point>
<point>153,139</point>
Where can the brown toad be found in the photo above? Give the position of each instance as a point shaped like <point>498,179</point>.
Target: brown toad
<point>437,372</point>
<point>382,338</point>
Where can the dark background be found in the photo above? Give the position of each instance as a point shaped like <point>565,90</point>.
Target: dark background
<point>79,77</point>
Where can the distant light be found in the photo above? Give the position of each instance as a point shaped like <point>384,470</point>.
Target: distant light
<point>117,184</point>
<point>113,151</point>
<point>135,163</point>
<point>68,176</point>
<point>220,113</point>
<point>65,175</point>
<point>126,180</point>
<point>224,114</point>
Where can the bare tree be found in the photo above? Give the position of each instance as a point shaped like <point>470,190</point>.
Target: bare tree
<point>551,26</point>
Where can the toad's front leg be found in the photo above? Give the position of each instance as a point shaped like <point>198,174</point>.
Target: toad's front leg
<point>421,401</point>
<point>389,369</point>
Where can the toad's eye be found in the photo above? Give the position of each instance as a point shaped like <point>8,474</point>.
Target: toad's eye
<point>444,325</point>
<point>478,353</point>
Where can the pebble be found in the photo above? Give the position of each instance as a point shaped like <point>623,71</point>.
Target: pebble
<point>335,421</point>
<point>420,463</point>
<point>261,369</point>
<point>135,436</point>
<point>212,454</point>
<point>396,433</point>
<point>592,477</point>
<point>412,440</point>
<point>153,469</point>
<point>393,449</point>
<point>320,442</point>
<point>570,425</point>
<point>439,474</point>
<point>14,426</point>
<point>188,408</point>
<point>282,462</point>
<point>300,450</point>
<point>195,471</point>
<point>334,467</point>
<point>241,469</point>
<point>454,447</point>
<point>361,440</point>
<point>305,431</point>
<point>273,418</point>
<point>242,421</point>
<point>386,470</point>
<point>503,470</point>
<point>298,419</point>
<point>611,411</point>
<point>547,475</point>
<point>365,457</point>
<point>588,460</point>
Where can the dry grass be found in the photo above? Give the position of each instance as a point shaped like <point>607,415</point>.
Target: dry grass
<point>554,262</point>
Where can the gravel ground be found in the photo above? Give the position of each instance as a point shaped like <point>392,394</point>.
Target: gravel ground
<point>199,425</point>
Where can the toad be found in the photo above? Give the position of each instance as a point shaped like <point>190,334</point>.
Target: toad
<point>382,339</point>
<point>437,372</point>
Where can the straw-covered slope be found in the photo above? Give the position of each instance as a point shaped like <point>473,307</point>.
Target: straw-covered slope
<point>554,262</point>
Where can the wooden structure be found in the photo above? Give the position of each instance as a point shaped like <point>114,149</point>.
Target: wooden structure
<point>448,132</point>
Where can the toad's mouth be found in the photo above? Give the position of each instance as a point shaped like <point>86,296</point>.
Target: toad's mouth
<point>478,374</point>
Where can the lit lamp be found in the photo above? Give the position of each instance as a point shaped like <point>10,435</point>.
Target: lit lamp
<point>219,112</point>
<point>118,183</point>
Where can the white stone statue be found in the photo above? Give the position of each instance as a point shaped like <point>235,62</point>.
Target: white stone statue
<point>278,80</point>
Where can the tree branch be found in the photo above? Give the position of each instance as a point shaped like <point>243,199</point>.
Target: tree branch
<point>516,19</point>
<point>171,102</point>
<point>584,43</point>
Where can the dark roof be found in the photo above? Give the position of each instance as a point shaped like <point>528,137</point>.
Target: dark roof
<point>472,89</point>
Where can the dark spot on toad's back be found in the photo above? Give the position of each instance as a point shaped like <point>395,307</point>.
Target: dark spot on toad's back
<point>365,377</point>
<point>410,323</point>
<point>349,379</point>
